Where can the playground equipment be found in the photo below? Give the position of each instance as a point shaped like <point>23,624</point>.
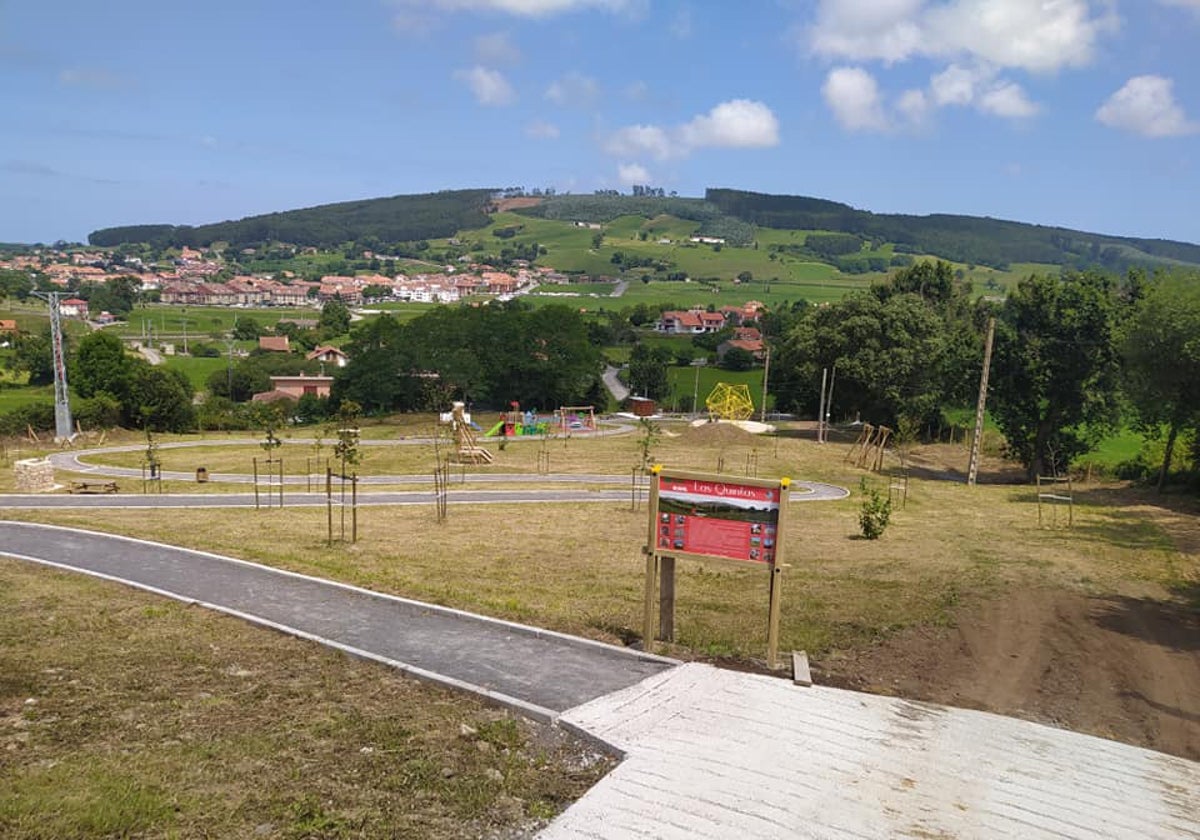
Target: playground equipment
<point>867,451</point>
<point>516,423</point>
<point>576,418</point>
<point>466,449</point>
<point>730,402</point>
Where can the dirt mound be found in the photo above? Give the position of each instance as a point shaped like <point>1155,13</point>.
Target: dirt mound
<point>1116,666</point>
<point>720,434</point>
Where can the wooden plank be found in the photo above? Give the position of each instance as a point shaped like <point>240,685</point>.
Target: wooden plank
<point>801,675</point>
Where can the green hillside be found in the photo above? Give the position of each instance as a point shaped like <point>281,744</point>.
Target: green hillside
<point>396,219</point>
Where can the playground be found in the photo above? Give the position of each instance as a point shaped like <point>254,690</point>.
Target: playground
<point>911,612</point>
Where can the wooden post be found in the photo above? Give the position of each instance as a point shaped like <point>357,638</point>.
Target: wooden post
<point>256,484</point>
<point>329,500</point>
<point>281,483</point>
<point>666,600</point>
<point>651,567</point>
<point>354,508</point>
<point>773,616</point>
<point>981,404</point>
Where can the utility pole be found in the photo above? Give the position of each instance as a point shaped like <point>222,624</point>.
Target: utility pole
<point>63,430</point>
<point>973,469</point>
<point>697,364</point>
<point>766,373</point>
<point>829,400</point>
<point>821,407</point>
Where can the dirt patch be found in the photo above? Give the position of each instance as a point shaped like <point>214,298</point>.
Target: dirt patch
<point>503,205</point>
<point>719,434</point>
<point>1121,667</point>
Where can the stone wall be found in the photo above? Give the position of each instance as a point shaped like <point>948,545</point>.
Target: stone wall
<point>34,475</point>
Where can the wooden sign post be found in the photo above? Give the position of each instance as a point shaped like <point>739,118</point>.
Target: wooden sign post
<point>711,517</point>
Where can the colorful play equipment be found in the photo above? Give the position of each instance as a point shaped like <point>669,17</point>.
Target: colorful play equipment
<point>730,402</point>
<point>467,451</point>
<point>517,423</point>
<point>576,418</point>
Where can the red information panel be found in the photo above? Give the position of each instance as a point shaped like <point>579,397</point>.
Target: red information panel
<point>718,518</point>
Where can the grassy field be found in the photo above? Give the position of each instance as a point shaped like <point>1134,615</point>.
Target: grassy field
<point>578,568</point>
<point>196,368</point>
<point>128,715</point>
<point>202,322</point>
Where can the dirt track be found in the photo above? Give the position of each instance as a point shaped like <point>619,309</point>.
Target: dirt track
<point>1120,667</point>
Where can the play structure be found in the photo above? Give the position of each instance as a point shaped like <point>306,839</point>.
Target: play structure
<point>466,450</point>
<point>867,451</point>
<point>517,423</point>
<point>730,402</point>
<point>576,418</point>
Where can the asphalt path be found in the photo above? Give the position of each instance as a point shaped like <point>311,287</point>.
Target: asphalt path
<point>538,672</point>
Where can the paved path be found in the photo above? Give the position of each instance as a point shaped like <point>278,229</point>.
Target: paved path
<point>614,385</point>
<point>706,753</point>
<point>536,671</point>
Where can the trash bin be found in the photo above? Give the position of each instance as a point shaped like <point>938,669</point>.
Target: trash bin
<point>201,475</point>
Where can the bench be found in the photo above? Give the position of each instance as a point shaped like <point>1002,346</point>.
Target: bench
<point>94,487</point>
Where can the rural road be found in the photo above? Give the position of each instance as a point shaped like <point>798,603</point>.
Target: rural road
<point>614,385</point>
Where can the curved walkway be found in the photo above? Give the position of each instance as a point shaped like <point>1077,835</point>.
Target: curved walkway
<point>706,753</point>
<point>540,672</point>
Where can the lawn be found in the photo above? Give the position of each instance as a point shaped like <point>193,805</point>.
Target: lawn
<point>200,323</point>
<point>196,368</point>
<point>129,715</point>
<point>578,568</point>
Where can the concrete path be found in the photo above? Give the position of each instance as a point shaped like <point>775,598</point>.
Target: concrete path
<point>614,385</point>
<point>538,672</point>
<point>712,754</point>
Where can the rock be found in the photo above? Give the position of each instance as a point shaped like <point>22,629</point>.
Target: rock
<point>493,774</point>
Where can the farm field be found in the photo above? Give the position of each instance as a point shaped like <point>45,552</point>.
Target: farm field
<point>1101,616</point>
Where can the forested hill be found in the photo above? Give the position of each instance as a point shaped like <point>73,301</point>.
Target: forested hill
<point>401,218</point>
<point>967,239</point>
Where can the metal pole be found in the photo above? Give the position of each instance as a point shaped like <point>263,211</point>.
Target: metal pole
<point>821,408</point>
<point>829,402</point>
<point>766,375</point>
<point>63,428</point>
<point>973,468</point>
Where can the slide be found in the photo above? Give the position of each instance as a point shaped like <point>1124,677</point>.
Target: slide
<point>498,429</point>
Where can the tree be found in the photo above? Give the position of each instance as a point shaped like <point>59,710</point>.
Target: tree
<point>737,359</point>
<point>335,318</point>
<point>1055,374</point>
<point>648,371</point>
<point>159,400</point>
<point>1161,352</point>
<point>100,365</point>
<point>33,353</point>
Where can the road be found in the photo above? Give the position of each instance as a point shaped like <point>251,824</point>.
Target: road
<point>614,385</point>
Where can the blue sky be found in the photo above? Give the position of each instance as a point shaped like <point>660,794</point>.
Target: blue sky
<point>1082,113</point>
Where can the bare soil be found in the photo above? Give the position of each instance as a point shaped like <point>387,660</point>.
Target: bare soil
<point>1121,667</point>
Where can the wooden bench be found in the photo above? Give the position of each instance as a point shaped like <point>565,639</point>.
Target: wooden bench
<point>94,487</point>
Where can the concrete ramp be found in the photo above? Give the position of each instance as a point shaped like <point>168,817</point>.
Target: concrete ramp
<point>719,754</point>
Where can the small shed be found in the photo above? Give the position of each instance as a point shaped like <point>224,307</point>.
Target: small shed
<point>642,406</point>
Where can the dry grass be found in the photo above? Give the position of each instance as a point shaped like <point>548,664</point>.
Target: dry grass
<point>578,568</point>
<point>122,715</point>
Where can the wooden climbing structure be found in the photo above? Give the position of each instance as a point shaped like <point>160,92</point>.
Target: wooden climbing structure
<point>466,450</point>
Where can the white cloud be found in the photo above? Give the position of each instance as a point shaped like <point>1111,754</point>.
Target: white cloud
<point>955,85</point>
<point>574,89</point>
<point>914,106</point>
<point>1146,105</point>
<point>633,173</point>
<point>489,86</point>
<point>736,124</point>
<point>496,48</point>
<point>853,96</point>
<point>1033,35</point>
<point>542,130</point>
<point>641,141</point>
<point>1007,99</point>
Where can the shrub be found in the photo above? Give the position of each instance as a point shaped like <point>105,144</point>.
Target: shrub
<point>875,513</point>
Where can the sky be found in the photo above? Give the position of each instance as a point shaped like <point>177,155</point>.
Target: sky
<point>1079,113</point>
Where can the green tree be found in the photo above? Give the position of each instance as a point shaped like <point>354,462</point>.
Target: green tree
<point>100,365</point>
<point>737,359</point>
<point>1161,352</point>
<point>158,400</point>
<point>33,354</point>
<point>335,319</point>
<point>648,371</point>
<point>1055,373</point>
